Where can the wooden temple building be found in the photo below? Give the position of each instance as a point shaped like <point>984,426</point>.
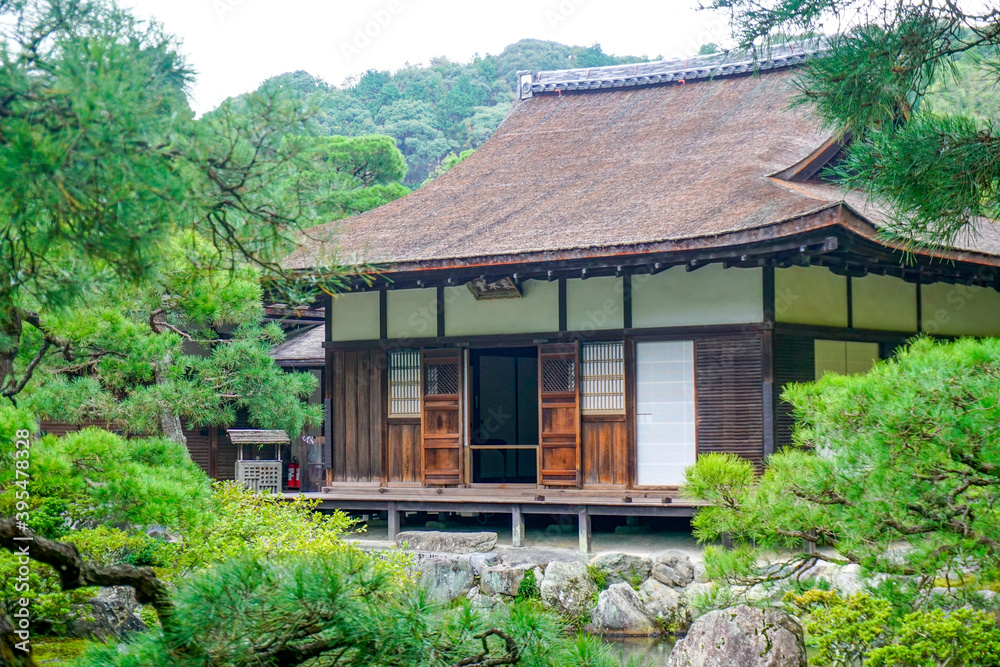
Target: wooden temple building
<point>621,279</point>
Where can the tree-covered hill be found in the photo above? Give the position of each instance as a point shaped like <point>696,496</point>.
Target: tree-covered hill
<point>435,109</point>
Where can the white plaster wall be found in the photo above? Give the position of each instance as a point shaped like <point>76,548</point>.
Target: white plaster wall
<point>885,303</point>
<point>594,304</point>
<point>536,311</point>
<point>960,310</point>
<point>810,295</point>
<point>411,313</point>
<point>709,295</point>
<point>355,316</point>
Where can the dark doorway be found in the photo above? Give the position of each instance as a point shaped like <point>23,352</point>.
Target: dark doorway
<point>504,415</point>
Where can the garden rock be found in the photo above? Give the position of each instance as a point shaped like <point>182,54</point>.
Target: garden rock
<point>567,588</point>
<point>446,578</point>
<point>480,601</point>
<point>110,614</point>
<point>453,543</point>
<point>741,637</point>
<point>673,568</point>
<point>503,579</point>
<point>538,556</point>
<point>622,568</point>
<point>847,580</point>
<point>620,612</point>
<point>700,573</point>
<point>666,604</point>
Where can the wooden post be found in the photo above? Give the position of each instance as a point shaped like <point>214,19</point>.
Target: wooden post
<point>393,521</point>
<point>517,526</point>
<point>584,516</point>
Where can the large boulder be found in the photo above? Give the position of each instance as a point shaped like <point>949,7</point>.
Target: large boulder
<point>505,579</point>
<point>666,604</point>
<point>445,579</point>
<point>619,568</point>
<point>847,580</point>
<point>566,587</point>
<point>453,543</point>
<point>619,612</point>
<point>741,637</point>
<point>112,613</point>
<point>673,568</point>
<point>537,556</point>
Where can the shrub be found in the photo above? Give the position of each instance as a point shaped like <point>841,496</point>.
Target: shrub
<point>961,638</point>
<point>338,609</point>
<point>845,629</point>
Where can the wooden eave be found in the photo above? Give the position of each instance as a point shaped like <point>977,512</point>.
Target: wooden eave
<point>834,236</point>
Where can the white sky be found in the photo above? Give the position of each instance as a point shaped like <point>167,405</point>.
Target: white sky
<point>233,45</point>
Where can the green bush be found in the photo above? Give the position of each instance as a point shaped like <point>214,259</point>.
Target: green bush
<point>961,638</point>
<point>845,630</point>
<point>528,588</point>
<point>341,609</point>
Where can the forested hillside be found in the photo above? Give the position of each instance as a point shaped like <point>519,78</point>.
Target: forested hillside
<point>447,107</point>
<point>435,109</point>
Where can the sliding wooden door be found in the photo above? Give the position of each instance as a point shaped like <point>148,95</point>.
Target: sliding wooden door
<point>559,414</point>
<point>441,420</point>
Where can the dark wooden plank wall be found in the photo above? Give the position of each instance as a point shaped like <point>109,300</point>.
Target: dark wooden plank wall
<point>729,397</point>
<point>794,361</point>
<point>604,450</point>
<point>199,444</point>
<point>404,451</point>
<point>358,415</point>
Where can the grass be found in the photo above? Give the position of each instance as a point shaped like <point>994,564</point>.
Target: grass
<point>52,651</point>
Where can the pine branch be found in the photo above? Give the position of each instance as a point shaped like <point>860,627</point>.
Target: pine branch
<point>75,572</point>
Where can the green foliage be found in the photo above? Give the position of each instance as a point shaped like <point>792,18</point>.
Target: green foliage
<point>450,160</point>
<point>528,588</point>
<point>337,609</point>
<point>634,578</point>
<point>433,110</point>
<point>864,629</point>
<point>961,638</point>
<point>881,64</point>
<point>264,525</point>
<point>133,354</point>
<point>98,477</point>
<point>906,453</point>
<point>108,178</point>
<point>53,609</point>
<point>845,630</point>
<point>597,576</point>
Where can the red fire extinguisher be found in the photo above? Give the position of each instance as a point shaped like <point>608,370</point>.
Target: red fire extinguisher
<point>294,480</point>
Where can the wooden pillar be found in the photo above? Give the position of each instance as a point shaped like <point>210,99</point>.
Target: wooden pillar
<point>584,517</point>
<point>393,521</point>
<point>517,526</point>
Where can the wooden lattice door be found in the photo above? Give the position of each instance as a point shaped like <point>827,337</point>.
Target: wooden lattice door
<point>441,423</point>
<point>559,414</point>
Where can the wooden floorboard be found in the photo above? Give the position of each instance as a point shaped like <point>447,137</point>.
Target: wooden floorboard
<point>530,500</point>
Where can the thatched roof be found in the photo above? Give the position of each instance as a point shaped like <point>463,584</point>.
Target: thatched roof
<point>305,348</point>
<point>248,436</point>
<point>617,170</point>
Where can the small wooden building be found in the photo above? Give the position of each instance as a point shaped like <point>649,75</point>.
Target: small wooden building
<point>621,279</point>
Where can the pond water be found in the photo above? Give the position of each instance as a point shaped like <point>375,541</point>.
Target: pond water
<point>645,652</point>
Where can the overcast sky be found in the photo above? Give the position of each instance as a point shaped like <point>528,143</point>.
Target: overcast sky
<point>235,44</point>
